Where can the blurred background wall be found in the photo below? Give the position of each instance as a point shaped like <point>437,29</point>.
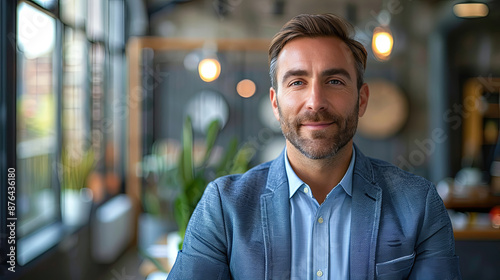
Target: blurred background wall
<point>95,95</point>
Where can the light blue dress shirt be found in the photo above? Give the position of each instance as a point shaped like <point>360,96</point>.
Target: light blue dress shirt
<point>320,233</point>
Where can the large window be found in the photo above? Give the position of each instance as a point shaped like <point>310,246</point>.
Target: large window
<point>75,101</point>
<point>69,78</point>
<point>37,130</point>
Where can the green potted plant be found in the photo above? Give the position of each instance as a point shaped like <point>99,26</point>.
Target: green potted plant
<point>76,199</point>
<point>188,178</point>
<point>192,179</point>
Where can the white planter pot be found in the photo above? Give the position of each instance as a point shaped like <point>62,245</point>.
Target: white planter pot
<point>157,275</point>
<point>173,240</point>
<point>76,206</point>
<point>166,254</point>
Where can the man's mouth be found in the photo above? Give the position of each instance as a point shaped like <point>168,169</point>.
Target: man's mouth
<point>317,125</point>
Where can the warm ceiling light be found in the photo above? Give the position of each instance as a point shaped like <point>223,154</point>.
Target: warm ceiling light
<point>246,88</point>
<point>470,10</point>
<point>209,69</point>
<point>382,43</point>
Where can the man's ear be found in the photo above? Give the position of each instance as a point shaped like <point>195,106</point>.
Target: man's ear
<point>364,93</point>
<point>273,95</point>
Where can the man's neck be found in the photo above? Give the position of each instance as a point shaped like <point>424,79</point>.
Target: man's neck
<point>321,175</point>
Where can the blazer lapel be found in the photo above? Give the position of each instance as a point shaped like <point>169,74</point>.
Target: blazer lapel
<point>365,219</point>
<point>275,211</point>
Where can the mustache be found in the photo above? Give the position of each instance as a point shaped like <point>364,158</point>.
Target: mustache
<point>321,116</point>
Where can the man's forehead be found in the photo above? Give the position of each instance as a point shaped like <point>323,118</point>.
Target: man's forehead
<point>333,41</point>
<point>302,50</point>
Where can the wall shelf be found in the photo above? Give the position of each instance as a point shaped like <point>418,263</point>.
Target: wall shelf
<point>478,199</point>
<point>477,234</point>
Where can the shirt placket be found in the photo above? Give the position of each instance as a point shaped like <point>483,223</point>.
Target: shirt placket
<point>320,240</point>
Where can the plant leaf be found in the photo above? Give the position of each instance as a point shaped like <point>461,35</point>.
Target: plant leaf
<point>182,213</point>
<point>212,133</point>
<point>241,160</point>
<point>186,167</point>
<point>226,162</point>
<point>76,170</point>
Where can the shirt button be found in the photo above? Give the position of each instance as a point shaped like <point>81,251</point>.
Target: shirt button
<point>319,273</point>
<point>320,220</point>
<point>306,190</point>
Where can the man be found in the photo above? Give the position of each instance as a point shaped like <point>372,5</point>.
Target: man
<point>321,210</point>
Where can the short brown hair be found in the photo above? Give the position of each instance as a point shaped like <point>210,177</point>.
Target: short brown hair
<point>324,25</point>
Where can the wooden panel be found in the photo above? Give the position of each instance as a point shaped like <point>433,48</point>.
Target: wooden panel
<point>165,44</point>
<point>134,144</point>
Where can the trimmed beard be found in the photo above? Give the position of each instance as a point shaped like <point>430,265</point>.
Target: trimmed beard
<point>346,130</point>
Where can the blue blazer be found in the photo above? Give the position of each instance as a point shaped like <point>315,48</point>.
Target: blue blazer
<point>240,229</point>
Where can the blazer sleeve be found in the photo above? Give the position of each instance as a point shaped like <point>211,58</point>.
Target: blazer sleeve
<point>435,250</point>
<point>203,255</point>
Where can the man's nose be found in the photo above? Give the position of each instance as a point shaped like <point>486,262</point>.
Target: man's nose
<point>316,99</point>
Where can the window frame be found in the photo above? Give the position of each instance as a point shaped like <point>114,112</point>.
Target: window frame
<point>7,111</point>
<point>47,236</point>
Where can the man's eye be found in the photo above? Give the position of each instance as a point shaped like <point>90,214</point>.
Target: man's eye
<point>335,82</point>
<point>296,83</point>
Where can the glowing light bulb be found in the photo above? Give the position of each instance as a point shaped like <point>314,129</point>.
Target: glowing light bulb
<point>246,88</point>
<point>209,69</point>
<point>382,43</point>
<point>470,10</point>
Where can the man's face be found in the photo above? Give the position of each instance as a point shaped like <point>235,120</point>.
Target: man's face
<point>317,101</point>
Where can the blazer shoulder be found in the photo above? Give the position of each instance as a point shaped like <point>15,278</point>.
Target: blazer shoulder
<point>254,180</point>
<point>386,171</point>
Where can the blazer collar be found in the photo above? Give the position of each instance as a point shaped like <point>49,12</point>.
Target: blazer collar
<point>277,174</point>
<point>363,166</point>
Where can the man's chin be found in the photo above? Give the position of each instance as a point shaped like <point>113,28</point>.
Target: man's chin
<point>321,149</point>
<point>319,153</point>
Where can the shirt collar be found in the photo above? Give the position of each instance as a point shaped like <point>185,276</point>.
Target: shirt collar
<point>294,182</point>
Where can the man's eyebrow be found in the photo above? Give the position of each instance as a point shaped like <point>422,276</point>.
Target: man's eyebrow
<point>327,72</point>
<point>336,71</point>
<point>294,72</point>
